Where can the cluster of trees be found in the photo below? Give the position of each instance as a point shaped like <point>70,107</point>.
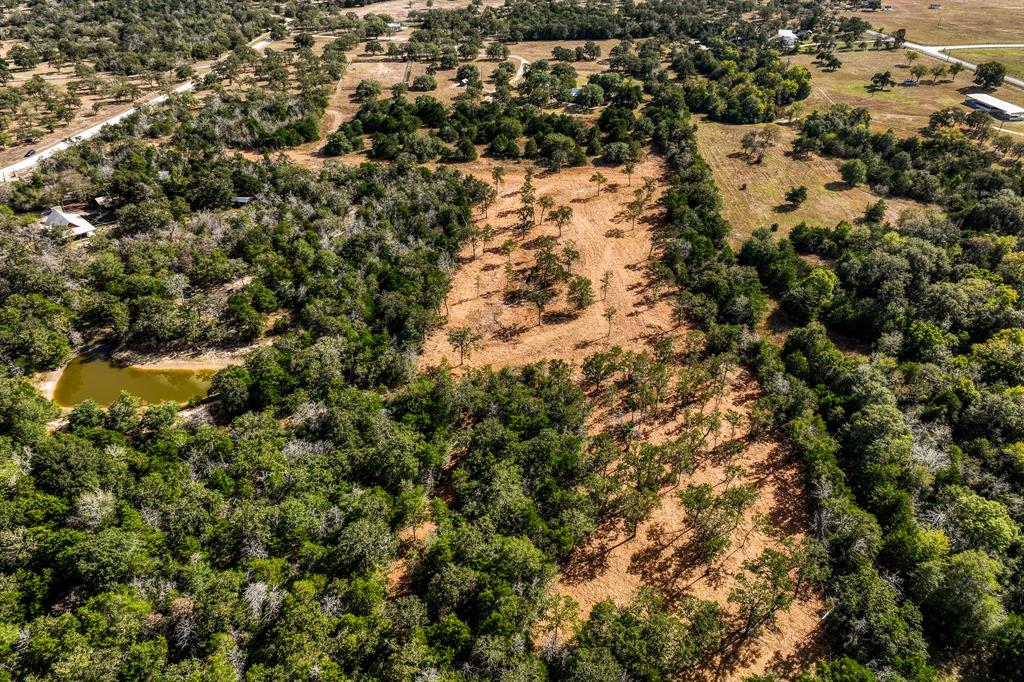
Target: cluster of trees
<point>554,140</point>
<point>911,481</point>
<point>256,536</point>
<point>739,85</point>
<point>587,52</point>
<point>343,254</point>
<point>916,452</point>
<point>135,540</point>
<point>131,37</point>
<point>948,166</point>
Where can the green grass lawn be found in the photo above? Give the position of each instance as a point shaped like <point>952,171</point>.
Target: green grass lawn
<point>1012,59</point>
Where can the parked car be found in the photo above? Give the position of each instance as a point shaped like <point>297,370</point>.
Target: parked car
<point>909,83</point>
<point>30,152</point>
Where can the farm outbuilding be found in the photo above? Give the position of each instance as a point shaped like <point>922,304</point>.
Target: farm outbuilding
<point>76,225</point>
<point>995,106</point>
<point>787,37</point>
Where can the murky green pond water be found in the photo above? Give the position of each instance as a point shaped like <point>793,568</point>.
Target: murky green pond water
<point>103,382</point>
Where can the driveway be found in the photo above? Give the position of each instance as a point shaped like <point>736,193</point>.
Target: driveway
<point>942,52</point>
<point>12,171</point>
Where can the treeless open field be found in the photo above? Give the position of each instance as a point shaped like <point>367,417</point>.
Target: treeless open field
<point>1012,59</point>
<point>957,22</point>
<point>611,565</point>
<point>904,109</point>
<point>753,194</point>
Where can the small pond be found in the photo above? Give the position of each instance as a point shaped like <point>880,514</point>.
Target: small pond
<point>100,380</point>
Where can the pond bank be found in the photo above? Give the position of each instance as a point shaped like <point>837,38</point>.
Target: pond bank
<point>165,374</point>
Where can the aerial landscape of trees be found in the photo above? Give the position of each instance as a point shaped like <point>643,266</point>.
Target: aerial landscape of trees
<point>335,510</point>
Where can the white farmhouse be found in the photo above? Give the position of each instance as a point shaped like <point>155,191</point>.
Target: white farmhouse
<point>787,37</point>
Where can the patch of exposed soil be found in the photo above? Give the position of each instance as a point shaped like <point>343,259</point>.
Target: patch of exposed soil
<point>511,332</point>
<point>612,565</point>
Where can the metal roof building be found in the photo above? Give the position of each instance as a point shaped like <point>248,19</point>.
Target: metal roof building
<point>995,106</point>
<point>787,36</point>
<point>76,224</point>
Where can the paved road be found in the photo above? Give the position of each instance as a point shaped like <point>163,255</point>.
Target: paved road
<point>12,171</point>
<point>985,46</point>
<point>942,52</point>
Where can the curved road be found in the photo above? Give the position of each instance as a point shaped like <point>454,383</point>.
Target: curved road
<point>11,172</point>
<point>942,52</point>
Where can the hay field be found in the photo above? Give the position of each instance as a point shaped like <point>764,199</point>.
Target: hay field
<point>753,194</point>
<point>904,109</point>
<point>958,22</point>
<point>1012,59</point>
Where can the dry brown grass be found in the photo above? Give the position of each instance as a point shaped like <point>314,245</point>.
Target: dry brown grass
<point>612,566</point>
<point>958,22</point>
<point>754,194</point>
<point>903,109</point>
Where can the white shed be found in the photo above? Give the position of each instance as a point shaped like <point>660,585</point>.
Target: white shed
<point>787,37</point>
<point>76,224</point>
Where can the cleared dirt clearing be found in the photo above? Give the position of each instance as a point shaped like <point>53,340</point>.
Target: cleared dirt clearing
<point>612,566</point>
<point>512,335</point>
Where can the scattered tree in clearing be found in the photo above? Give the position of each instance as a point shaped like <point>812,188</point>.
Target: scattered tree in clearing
<point>498,176</point>
<point>756,142</point>
<point>881,81</point>
<point>606,281</point>
<point>540,298</point>
<point>580,293</point>
<point>796,195</point>
<point>546,203</point>
<point>609,314</point>
<point>990,75</point>
<point>561,216</point>
<point>762,590</point>
<point>854,172</point>
<point>507,247</point>
<point>598,179</point>
<point>465,340</point>
<point>714,517</point>
<point>570,254</point>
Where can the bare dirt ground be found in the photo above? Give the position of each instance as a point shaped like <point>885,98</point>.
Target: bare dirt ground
<point>612,566</point>
<point>754,194</point>
<point>512,335</point>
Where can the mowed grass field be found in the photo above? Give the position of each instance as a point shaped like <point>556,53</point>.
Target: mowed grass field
<point>1012,59</point>
<point>957,22</point>
<point>903,109</point>
<point>754,194</point>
